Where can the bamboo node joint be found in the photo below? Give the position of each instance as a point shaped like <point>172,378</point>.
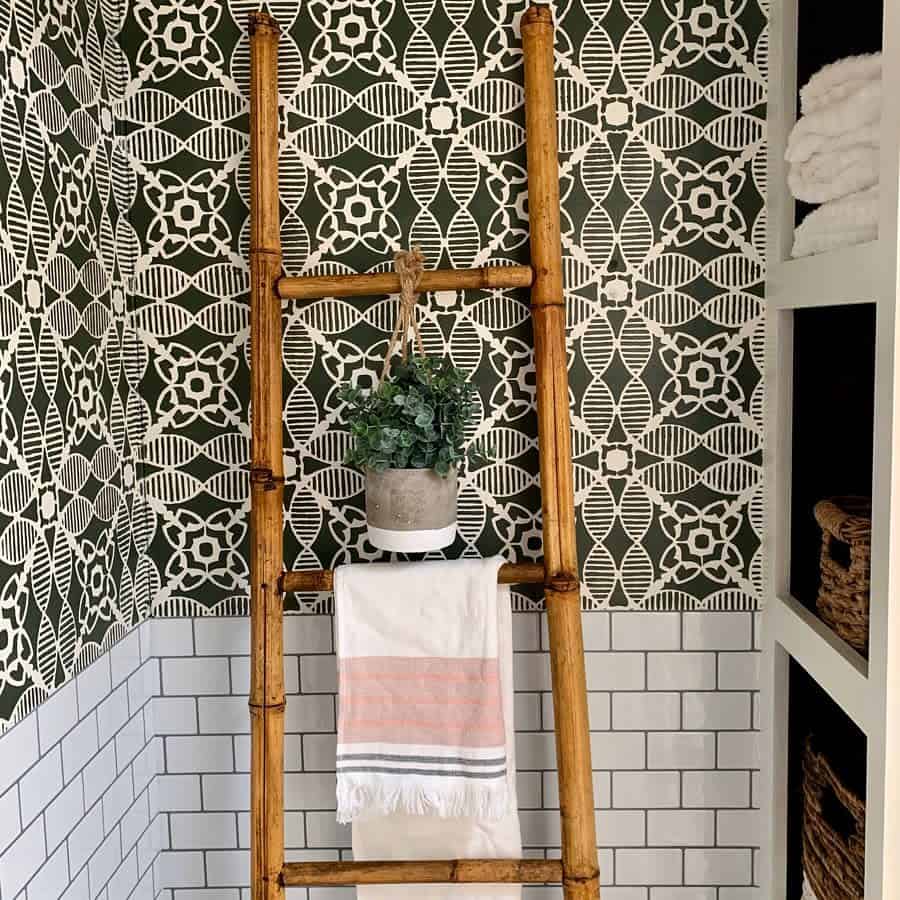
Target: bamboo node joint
<point>261,21</point>
<point>538,14</point>
<point>266,477</point>
<point>275,707</point>
<point>562,584</point>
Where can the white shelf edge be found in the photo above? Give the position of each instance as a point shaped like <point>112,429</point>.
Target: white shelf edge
<point>832,663</point>
<point>837,278</point>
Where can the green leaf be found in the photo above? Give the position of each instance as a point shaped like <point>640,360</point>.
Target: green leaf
<point>417,417</point>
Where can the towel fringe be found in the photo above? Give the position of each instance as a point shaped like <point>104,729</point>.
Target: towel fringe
<point>358,794</point>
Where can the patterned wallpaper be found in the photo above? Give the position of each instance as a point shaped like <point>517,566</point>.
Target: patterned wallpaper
<point>124,318</point>
<point>404,122</point>
<point>73,570</point>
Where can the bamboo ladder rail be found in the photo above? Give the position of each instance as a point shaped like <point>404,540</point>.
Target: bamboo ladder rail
<point>577,869</point>
<point>266,473</point>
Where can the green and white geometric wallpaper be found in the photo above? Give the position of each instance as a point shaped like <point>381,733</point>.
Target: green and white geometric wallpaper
<point>403,122</point>
<point>74,574</point>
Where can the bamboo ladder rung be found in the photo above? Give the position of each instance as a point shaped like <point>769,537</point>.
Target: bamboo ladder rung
<point>319,580</point>
<point>426,871</point>
<point>312,287</point>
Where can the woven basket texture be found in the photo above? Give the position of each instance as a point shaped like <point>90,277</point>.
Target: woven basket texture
<point>833,831</point>
<point>843,598</point>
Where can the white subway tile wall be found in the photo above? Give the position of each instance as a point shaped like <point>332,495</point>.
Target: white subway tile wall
<point>76,821</point>
<point>132,783</point>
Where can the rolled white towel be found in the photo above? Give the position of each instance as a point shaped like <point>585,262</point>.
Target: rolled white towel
<point>852,120</point>
<point>834,82</point>
<point>808,146</point>
<point>839,223</point>
<point>828,175</point>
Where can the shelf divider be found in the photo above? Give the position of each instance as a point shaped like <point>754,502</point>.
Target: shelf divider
<point>840,671</point>
<point>837,278</point>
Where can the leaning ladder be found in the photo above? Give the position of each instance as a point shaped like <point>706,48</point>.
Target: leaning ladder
<point>270,875</point>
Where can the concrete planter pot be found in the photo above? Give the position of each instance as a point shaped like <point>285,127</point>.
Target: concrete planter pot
<point>411,510</point>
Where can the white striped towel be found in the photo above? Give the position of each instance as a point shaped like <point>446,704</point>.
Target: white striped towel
<point>422,728</point>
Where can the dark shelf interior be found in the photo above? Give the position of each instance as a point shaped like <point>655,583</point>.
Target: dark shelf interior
<point>833,416</point>
<point>822,38</point>
<point>812,711</point>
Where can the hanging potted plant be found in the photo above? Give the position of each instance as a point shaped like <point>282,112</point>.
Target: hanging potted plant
<point>408,436</point>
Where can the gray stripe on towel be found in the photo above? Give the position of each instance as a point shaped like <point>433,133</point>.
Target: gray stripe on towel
<point>402,757</point>
<point>447,773</point>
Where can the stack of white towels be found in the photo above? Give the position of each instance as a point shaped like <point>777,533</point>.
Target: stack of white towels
<point>833,155</point>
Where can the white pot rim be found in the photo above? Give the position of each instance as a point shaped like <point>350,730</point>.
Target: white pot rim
<point>369,469</point>
<point>418,541</point>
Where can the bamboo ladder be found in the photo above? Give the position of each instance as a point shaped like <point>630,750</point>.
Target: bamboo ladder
<point>270,875</point>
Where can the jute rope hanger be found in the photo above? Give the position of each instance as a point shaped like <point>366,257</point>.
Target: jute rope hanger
<point>409,265</point>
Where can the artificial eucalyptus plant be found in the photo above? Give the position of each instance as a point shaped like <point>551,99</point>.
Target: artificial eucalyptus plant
<point>414,419</point>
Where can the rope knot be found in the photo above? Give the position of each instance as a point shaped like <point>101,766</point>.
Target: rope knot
<point>409,265</point>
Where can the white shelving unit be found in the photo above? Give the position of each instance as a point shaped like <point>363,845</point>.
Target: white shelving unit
<point>867,690</point>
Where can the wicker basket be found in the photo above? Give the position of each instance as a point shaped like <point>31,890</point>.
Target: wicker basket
<point>833,831</point>
<point>843,599</point>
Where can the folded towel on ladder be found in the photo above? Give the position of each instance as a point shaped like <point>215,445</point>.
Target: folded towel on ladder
<point>426,742</point>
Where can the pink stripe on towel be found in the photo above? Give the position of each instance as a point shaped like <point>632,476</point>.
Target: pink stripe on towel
<point>439,668</point>
<point>429,700</point>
